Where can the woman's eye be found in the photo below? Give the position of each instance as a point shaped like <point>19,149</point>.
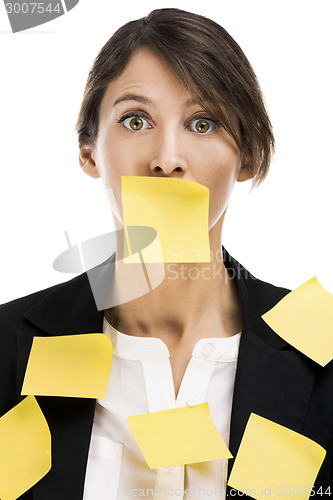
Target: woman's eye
<point>202,125</point>
<point>136,123</point>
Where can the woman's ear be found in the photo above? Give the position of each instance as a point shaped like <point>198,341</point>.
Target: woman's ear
<point>247,171</point>
<point>87,161</point>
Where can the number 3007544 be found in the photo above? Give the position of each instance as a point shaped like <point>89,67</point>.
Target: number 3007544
<point>32,8</point>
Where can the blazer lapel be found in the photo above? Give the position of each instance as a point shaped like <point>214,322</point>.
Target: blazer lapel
<point>69,309</point>
<point>273,379</point>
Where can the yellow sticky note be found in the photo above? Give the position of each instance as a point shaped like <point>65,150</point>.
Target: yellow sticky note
<point>176,208</point>
<point>25,448</point>
<point>179,436</point>
<point>274,462</point>
<point>304,318</point>
<point>71,365</point>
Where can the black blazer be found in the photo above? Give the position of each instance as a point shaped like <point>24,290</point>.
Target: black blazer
<point>273,379</point>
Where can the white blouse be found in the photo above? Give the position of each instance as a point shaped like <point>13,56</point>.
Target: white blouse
<point>140,382</point>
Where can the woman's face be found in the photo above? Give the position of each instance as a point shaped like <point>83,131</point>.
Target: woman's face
<point>150,125</point>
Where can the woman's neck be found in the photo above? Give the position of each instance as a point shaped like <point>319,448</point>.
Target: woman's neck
<point>194,300</point>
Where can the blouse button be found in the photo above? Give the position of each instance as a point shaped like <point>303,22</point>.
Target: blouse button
<point>207,349</point>
<point>193,400</point>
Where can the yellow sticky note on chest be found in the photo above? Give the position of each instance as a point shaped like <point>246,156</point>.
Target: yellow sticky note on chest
<point>25,448</point>
<point>70,365</point>
<point>176,208</point>
<point>274,462</point>
<point>304,318</point>
<point>179,436</point>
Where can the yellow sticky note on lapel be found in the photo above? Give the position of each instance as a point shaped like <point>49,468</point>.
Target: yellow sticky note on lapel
<point>304,318</point>
<point>69,365</point>
<point>274,462</point>
<point>176,208</point>
<point>25,448</point>
<point>179,436</point>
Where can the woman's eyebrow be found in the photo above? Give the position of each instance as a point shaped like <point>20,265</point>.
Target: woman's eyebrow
<point>191,102</point>
<point>145,100</point>
<point>133,97</point>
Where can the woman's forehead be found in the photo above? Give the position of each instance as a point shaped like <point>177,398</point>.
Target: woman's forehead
<point>150,80</point>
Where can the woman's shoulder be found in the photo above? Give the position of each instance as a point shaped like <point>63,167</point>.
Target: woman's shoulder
<point>11,311</point>
<point>25,317</point>
<point>13,314</point>
<point>255,292</point>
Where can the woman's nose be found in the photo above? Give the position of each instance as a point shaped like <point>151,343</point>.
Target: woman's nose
<point>169,156</point>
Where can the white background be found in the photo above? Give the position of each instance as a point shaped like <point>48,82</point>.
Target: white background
<point>281,232</point>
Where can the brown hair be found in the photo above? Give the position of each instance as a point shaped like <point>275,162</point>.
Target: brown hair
<point>207,61</point>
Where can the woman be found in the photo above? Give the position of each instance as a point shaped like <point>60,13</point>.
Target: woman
<point>170,96</point>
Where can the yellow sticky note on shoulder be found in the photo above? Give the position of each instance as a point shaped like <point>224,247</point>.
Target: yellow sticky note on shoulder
<point>70,365</point>
<point>274,461</point>
<point>179,436</point>
<point>304,318</point>
<point>176,208</point>
<point>25,448</point>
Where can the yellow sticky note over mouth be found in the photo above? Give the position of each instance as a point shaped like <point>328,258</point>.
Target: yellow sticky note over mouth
<point>70,365</point>
<point>179,436</point>
<point>178,210</point>
<point>25,448</point>
<point>274,461</point>
<point>304,318</point>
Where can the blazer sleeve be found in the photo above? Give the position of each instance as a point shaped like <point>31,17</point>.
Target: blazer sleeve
<point>11,321</point>
<point>8,361</point>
